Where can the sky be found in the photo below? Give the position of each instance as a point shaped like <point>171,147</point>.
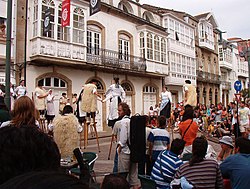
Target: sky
<point>232,16</point>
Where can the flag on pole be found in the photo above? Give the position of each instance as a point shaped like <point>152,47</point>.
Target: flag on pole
<point>46,23</point>
<point>65,13</point>
<point>95,6</point>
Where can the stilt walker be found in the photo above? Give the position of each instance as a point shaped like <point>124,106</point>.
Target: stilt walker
<point>115,94</point>
<point>89,105</point>
<point>166,100</point>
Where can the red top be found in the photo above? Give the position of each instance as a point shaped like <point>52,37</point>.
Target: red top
<point>191,132</point>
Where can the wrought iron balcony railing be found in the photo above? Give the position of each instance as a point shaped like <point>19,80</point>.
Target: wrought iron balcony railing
<point>208,77</point>
<point>109,58</point>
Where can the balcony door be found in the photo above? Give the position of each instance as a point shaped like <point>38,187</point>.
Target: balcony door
<point>124,46</point>
<point>93,40</point>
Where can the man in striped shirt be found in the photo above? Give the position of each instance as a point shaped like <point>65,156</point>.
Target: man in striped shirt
<point>167,163</point>
<point>159,139</point>
<point>201,172</point>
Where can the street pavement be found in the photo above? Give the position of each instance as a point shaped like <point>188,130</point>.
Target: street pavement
<point>103,165</point>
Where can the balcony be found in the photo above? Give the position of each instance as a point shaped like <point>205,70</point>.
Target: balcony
<point>226,65</point>
<point>113,59</point>
<point>47,47</point>
<point>205,43</point>
<point>226,85</point>
<point>208,77</point>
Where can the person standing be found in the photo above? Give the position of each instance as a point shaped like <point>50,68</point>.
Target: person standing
<point>21,90</point>
<point>81,115</point>
<point>188,127</point>
<point>115,94</point>
<point>159,139</point>
<point>190,95</point>
<point>89,100</point>
<point>40,95</point>
<point>12,96</point>
<point>62,102</point>
<point>123,141</point>
<point>244,116</point>
<point>166,100</point>
<point>50,107</point>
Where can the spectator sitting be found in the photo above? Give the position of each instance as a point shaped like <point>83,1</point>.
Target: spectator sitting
<point>200,172</point>
<point>226,144</point>
<point>24,113</point>
<point>167,163</point>
<point>41,180</point>
<point>26,149</point>
<point>237,167</point>
<point>114,181</point>
<point>4,112</point>
<point>65,132</point>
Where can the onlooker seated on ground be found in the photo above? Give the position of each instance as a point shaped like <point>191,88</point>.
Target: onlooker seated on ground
<point>23,113</point>
<point>66,132</point>
<point>211,129</point>
<point>201,172</point>
<point>158,139</point>
<point>167,163</point>
<point>114,181</point>
<point>26,149</point>
<point>237,167</point>
<point>42,180</point>
<point>226,144</point>
<point>220,130</point>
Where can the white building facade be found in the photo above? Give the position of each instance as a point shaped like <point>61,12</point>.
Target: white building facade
<point>123,40</point>
<point>181,55</point>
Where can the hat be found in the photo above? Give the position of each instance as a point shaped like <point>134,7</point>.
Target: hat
<point>227,140</point>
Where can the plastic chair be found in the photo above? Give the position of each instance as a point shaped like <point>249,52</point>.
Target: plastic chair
<point>147,182</point>
<point>83,159</point>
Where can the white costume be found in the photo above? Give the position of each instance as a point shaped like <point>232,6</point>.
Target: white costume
<point>114,94</point>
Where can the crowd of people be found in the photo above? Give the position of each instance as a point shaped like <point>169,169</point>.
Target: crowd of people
<point>28,154</point>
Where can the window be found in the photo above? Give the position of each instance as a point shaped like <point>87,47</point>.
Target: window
<point>62,32</point>
<point>53,82</point>
<point>157,48</point>
<point>149,46</point>
<point>48,4</point>
<point>123,49</point>
<point>78,26</point>
<point>163,50</point>
<point>142,44</point>
<point>93,40</point>
<point>35,18</point>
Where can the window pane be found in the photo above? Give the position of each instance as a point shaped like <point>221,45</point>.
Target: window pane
<point>48,82</point>
<point>56,82</point>
<point>62,83</point>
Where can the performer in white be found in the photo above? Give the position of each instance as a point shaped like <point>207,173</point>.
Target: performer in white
<point>115,94</point>
<point>21,90</point>
<point>50,107</point>
<point>166,100</point>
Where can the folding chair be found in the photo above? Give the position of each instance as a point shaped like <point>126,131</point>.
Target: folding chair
<point>147,182</point>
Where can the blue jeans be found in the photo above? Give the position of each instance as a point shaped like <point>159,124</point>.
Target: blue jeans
<point>115,168</point>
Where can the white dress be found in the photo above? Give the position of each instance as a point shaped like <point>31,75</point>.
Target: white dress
<point>113,94</point>
<point>50,105</point>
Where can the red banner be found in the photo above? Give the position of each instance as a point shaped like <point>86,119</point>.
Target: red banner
<point>65,13</point>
